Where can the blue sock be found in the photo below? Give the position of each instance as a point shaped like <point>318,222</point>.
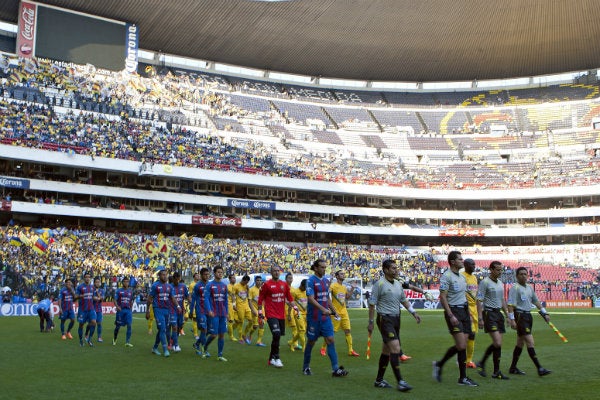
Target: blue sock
<point>208,341</point>
<point>80,332</point>
<point>70,326</point>
<point>157,340</point>
<point>332,356</point>
<point>202,338</point>
<point>128,334</point>
<point>62,327</point>
<point>307,354</point>
<point>99,329</point>
<point>92,329</point>
<point>220,345</point>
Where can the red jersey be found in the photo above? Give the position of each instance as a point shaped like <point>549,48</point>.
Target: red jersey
<point>273,295</point>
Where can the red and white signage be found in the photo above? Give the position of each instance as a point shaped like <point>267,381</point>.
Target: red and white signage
<point>27,29</point>
<point>216,221</point>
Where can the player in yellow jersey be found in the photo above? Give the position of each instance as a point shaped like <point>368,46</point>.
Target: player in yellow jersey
<point>339,295</point>
<point>290,313</point>
<point>232,323</point>
<point>150,319</point>
<point>301,300</point>
<point>471,293</point>
<point>257,323</point>
<point>191,315</point>
<point>244,314</point>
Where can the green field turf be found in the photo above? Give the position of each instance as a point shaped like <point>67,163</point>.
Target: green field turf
<point>36,365</point>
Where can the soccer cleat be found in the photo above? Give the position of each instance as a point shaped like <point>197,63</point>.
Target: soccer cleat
<point>543,371</point>
<point>81,343</point>
<point>323,352</point>
<point>155,351</point>
<point>437,371</point>
<point>233,338</point>
<point>63,337</point>
<point>248,341</point>
<point>291,345</point>
<point>307,371</point>
<point>382,384</point>
<point>149,331</point>
<point>176,349</point>
<point>261,344</point>
<point>196,346</point>
<point>241,341</point>
<point>206,354</point>
<point>276,362</point>
<point>353,354</point>
<point>500,375</point>
<point>404,358</point>
<point>466,381</point>
<point>89,342</point>
<point>339,373</point>
<point>481,369</point>
<point>472,365</point>
<point>69,336</point>
<point>516,371</point>
<point>298,347</point>
<point>221,358</point>
<point>181,332</point>
<point>167,354</point>
<point>403,386</point>
<point>127,344</point>
<point>100,340</point>
<point>114,342</point>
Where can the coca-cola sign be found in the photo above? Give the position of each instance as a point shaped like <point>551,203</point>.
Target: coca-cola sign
<point>216,221</point>
<point>27,26</point>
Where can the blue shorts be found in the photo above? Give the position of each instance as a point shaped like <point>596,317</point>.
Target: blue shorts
<point>217,325</point>
<point>86,316</point>
<point>201,322</point>
<point>315,329</point>
<point>70,314</point>
<point>98,317</point>
<point>161,316</point>
<point>124,317</point>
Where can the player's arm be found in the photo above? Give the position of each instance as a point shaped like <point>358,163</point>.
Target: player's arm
<point>117,300</point>
<point>411,310</point>
<point>542,311</point>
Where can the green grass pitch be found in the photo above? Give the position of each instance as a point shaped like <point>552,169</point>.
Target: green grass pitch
<point>36,365</point>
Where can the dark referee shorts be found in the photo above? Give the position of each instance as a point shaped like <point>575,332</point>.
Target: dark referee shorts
<point>389,327</point>
<point>493,320</point>
<point>524,322</point>
<point>464,320</point>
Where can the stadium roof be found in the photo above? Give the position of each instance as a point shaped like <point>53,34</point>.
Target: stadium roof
<point>381,40</point>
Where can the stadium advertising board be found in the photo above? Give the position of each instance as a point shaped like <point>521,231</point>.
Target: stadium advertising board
<point>30,309</point>
<point>131,48</point>
<point>259,205</point>
<point>14,183</point>
<point>215,221</point>
<point>568,304</point>
<point>27,29</point>
<point>462,232</point>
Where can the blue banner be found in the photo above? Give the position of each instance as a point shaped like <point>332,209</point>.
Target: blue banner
<point>131,47</point>
<point>260,205</point>
<point>14,183</point>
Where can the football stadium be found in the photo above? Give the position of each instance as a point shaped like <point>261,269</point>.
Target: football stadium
<point>159,159</point>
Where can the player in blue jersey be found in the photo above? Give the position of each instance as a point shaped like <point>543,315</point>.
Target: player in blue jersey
<point>87,311</point>
<point>180,291</point>
<point>44,311</point>
<point>160,296</point>
<point>216,306</point>
<point>65,302</point>
<point>318,321</point>
<point>197,305</point>
<point>123,304</point>
<point>98,299</point>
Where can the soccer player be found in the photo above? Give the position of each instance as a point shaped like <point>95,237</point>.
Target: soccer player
<point>98,299</point>
<point>339,296</point>
<point>44,311</point>
<point>386,298</point>
<point>197,305</point>
<point>301,300</point>
<point>216,307</point>
<point>160,296</point>
<point>191,314</point>
<point>453,287</point>
<point>318,321</point>
<point>274,294</point>
<point>291,316</point>
<point>490,301</point>
<point>66,298</point>
<point>257,323</point>
<point>233,323</point>
<point>244,314</point>
<point>87,310</point>
<point>521,298</point>
<point>471,293</point>
<point>180,291</point>
<point>123,304</point>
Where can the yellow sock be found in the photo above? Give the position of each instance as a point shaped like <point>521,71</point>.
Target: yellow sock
<point>470,350</point>
<point>149,324</point>
<point>261,332</point>
<point>302,339</point>
<point>195,328</point>
<point>349,343</point>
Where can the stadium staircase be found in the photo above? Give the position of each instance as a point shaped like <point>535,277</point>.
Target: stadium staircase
<point>330,118</point>
<point>422,121</point>
<point>381,129</point>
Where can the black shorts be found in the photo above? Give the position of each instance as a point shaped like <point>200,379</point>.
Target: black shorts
<point>524,322</point>
<point>464,320</point>
<point>493,321</point>
<point>389,327</point>
<point>276,325</point>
